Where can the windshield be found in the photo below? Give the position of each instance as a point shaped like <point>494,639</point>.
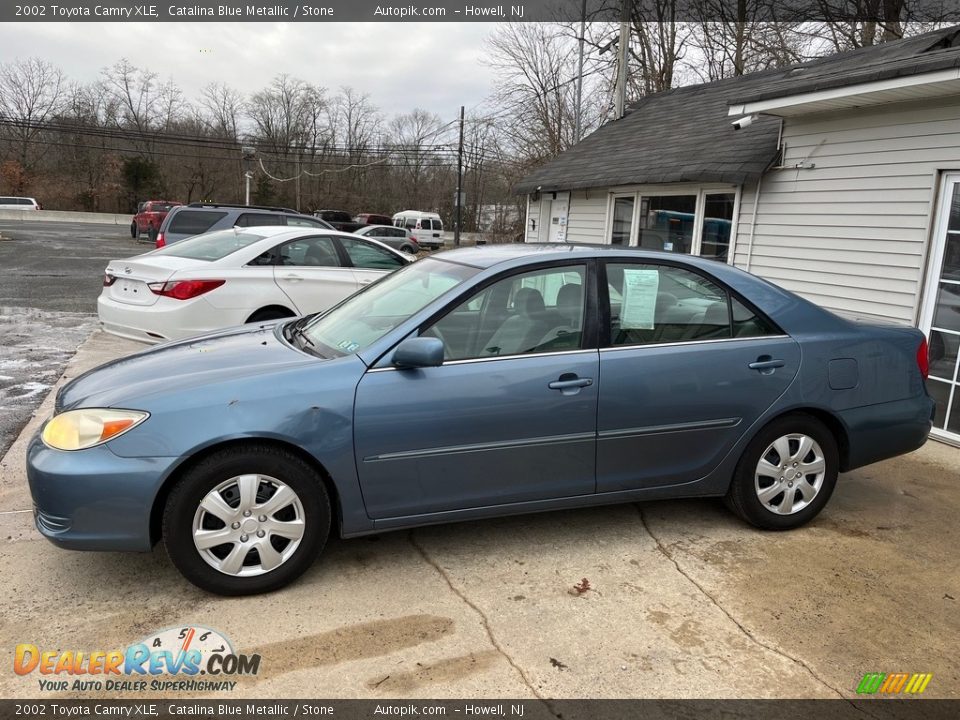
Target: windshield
<point>211,246</point>
<point>367,316</point>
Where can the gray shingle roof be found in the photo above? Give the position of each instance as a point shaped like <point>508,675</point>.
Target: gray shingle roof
<point>685,134</point>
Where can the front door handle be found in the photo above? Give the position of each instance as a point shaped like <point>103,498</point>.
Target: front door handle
<point>766,364</point>
<point>570,383</point>
<point>292,278</point>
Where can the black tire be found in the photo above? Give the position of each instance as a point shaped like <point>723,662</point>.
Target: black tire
<point>152,234</point>
<point>269,314</point>
<point>134,230</point>
<point>408,249</point>
<point>743,497</point>
<point>185,498</point>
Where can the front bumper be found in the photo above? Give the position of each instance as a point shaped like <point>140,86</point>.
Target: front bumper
<point>94,499</point>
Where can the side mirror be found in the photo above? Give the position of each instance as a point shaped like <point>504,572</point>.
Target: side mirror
<point>418,352</point>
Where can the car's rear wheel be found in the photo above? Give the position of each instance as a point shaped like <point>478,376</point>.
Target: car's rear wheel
<point>786,474</point>
<point>269,314</point>
<point>408,249</point>
<point>246,520</point>
<point>134,230</point>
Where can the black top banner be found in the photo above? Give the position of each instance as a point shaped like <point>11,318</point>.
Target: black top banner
<point>729,11</point>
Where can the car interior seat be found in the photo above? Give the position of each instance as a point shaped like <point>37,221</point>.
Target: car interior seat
<point>516,333</point>
<point>320,256</point>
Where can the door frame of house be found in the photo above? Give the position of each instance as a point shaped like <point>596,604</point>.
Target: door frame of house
<point>938,243</point>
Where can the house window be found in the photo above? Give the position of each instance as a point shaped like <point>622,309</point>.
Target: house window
<point>667,223</point>
<point>622,220</point>
<point>717,222</point>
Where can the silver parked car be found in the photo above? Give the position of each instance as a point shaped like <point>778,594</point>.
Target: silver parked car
<point>396,237</point>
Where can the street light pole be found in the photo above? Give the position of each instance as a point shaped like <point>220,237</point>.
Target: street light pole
<point>456,229</point>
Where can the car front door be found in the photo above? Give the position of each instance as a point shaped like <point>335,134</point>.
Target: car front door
<point>310,271</point>
<point>687,367</point>
<point>509,417</point>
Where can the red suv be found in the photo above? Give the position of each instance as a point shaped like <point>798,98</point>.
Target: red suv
<point>148,218</point>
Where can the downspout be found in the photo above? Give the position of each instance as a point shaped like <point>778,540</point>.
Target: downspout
<point>753,223</point>
<point>756,200</point>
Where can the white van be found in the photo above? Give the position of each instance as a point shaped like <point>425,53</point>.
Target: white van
<point>425,227</point>
<point>19,203</point>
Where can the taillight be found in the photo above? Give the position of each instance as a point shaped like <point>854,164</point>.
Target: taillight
<point>923,359</point>
<point>108,279</point>
<point>160,241</point>
<point>184,289</point>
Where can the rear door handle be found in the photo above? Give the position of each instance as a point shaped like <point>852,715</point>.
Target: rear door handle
<point>293,278</point>
<point>765,362</point>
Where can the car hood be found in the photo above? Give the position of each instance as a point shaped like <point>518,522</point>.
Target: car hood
<point>215,358</point>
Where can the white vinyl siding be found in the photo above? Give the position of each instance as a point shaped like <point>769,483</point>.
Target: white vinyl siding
<point>587,217</point>
<point>851,232</point>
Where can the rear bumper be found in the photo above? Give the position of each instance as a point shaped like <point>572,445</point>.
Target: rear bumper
<point>156,323</point>
<point>878,432</point>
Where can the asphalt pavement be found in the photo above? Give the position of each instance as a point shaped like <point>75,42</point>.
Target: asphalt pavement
<point>50,276</point>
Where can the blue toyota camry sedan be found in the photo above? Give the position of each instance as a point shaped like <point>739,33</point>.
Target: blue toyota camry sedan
<point>475,383</point>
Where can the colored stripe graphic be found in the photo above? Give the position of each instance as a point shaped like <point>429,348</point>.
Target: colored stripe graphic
<point>893,683</point>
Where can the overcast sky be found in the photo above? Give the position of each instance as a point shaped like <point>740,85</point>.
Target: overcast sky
<point>435,66</point>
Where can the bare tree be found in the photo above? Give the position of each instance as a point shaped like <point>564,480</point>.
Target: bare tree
<point>222,107</point>
<point>31,93</point>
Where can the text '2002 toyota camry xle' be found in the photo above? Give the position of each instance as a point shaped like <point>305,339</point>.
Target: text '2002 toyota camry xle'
<point>479,382</point>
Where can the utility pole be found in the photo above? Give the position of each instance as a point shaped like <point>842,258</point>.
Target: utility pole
<point>456,228</point>
<point>620,102</point>
<point>248,153</point>
<point>583,31</point>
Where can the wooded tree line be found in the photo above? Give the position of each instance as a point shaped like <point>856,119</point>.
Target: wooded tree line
<point>129,135</point>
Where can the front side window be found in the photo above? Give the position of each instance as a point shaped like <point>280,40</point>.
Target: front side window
<point>309,252</point>
<point>366,255</point>
<point>652,304</point>
<point>370,314</point>
<point>304,221</point>
<point>534,312</point>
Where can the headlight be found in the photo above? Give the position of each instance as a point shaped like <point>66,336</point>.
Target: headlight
<point>81,429</point>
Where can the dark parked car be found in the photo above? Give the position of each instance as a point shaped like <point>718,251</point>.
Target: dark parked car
<point>479,382</point>
<point>373,219</point>
<point>197,218</point>
<point>339,220</point>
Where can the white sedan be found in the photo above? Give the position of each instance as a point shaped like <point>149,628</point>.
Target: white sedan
<point>236,276</point>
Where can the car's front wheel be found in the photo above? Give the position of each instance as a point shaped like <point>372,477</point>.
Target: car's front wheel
<point>246,520</point>
<point>786,474</point>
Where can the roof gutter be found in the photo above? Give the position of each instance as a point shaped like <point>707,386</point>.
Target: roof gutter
<point>857,94</point>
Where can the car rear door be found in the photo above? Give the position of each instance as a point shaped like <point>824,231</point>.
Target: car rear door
<point>686,369</point>
<point>311,272</point>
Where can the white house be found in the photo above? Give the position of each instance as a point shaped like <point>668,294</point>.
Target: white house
<point>842,184</point>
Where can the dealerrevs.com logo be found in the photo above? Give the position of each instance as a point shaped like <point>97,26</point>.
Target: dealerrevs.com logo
<point>185,659</point>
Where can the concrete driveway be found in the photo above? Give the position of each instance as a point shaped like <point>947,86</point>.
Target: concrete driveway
<point>683,600</point>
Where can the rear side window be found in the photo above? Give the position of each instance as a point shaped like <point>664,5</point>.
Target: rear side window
<point>194,222</point>
<point>366,255</point>
<point>259,220</point>
<point>652,304</point>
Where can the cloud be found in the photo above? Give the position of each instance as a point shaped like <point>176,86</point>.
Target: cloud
<point>435,66</point>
